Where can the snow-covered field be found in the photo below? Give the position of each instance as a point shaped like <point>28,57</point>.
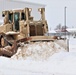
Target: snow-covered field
<point>39,59</point>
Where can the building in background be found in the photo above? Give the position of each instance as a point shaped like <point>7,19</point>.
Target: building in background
<point>12,4</point>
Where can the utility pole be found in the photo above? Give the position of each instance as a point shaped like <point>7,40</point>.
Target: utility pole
<point>67,40</point>
<point>65,19</point>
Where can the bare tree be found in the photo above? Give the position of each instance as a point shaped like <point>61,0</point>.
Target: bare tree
<point>64,28</point>
<point>58,27</point>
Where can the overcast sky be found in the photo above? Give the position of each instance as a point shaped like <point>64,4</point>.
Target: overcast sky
<point>55,12</point>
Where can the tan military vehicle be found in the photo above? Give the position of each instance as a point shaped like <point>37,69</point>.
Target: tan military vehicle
<point>19,25</point>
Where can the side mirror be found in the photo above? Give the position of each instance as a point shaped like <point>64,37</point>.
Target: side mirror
<point>3,15</point>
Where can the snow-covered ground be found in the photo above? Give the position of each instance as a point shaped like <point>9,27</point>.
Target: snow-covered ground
<point>58,61</point>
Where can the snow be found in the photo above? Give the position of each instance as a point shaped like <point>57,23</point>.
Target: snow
<point>71,29</point>
<point>12,32</point>
<point>60,62</point>
<point>37,51</point>
<point>51,31</point>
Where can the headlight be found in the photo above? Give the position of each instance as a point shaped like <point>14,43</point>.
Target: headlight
<point>39,9</point>
<point>30,9</point>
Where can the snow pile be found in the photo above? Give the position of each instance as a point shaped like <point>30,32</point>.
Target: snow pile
<point>60,63</point>
<point>37,50</point>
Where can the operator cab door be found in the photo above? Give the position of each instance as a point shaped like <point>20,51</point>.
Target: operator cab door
<point>16,21</point>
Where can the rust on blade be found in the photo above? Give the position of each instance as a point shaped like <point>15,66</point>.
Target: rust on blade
<point>8,51</point>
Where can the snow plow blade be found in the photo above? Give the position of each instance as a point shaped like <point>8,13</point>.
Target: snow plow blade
<point>11,49</point>
<point>8,51</point>
<point>41,38</point>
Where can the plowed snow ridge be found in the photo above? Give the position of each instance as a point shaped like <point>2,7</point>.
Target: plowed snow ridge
<point>37,50</point>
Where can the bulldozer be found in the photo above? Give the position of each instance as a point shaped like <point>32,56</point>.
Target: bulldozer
<point>20,26</point>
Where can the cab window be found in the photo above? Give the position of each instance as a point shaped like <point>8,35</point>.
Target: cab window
<point>11,17</point>
<point>23,16</point>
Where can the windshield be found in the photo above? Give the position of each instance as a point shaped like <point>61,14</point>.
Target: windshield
<point>16,20</point>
